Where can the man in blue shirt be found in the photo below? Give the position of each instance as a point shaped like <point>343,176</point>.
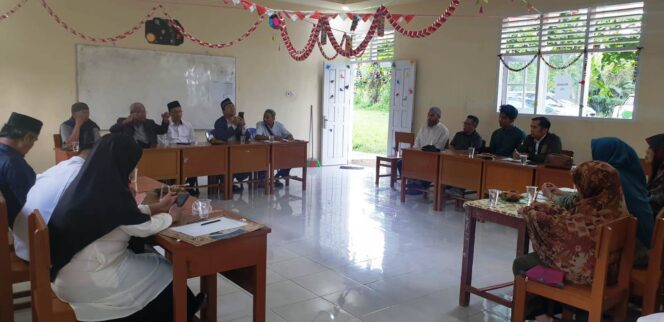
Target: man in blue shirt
<point>17,137</point>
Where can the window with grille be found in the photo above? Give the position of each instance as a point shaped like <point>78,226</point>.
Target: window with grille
<point>574,63</point>
<point>379,49</point>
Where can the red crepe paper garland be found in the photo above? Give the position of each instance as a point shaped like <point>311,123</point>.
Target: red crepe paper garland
<point>13,10</point>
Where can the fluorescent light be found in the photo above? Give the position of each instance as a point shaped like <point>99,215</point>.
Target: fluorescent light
<point>345,8</point>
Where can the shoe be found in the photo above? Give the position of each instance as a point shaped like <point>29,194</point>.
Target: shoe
<point>413,192</point>
<point>278,184</point>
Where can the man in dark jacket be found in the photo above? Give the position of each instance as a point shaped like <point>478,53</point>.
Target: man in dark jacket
<point>138,126</point>
<point>540,142</point>
<point>228,127</point>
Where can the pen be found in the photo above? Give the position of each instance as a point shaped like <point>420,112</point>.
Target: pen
<point>209,222</point>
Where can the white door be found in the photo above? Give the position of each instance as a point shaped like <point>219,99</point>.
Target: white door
<point>401,101</point>
<point>337,100</point>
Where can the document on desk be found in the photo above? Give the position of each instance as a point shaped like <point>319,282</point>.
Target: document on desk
<point>203,228</point>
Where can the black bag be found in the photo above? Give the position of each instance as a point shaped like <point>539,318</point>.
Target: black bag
<point>159,31</point>
<point>430,148</point>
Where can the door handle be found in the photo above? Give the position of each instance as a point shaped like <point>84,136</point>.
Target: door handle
<point>324,122</point>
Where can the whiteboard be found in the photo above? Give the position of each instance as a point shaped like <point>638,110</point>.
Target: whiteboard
<point>109,79</point>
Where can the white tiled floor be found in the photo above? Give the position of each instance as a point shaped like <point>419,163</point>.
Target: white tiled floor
<point>346,250</point>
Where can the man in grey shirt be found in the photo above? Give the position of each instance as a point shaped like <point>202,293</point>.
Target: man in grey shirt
<point>79,127</point>
<point>269,127</point>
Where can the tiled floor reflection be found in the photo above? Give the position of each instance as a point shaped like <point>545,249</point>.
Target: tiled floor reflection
<point>346,250</point>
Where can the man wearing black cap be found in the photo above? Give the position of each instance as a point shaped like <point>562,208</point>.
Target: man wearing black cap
<point>508,137</point>
<point>228,127</point>
<point>179,130</point>
<point>79,128</point>
<point>17,137</point>
<point>138,126</point>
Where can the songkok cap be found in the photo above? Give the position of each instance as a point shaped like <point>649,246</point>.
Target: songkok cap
<point>436,111</point>
<point>225,103</point>
<point>173,105</point>
<point>22,122</point>
<point>79,106</point>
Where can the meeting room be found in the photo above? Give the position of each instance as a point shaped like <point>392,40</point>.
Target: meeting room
<point>331,160</point>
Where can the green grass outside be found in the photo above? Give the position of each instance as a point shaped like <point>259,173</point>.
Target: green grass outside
<point>370,131</point>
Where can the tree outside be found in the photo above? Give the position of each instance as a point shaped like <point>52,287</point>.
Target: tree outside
<point>371,107</point>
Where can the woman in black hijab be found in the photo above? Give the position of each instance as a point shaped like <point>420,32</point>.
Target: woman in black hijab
<point>90,229</point>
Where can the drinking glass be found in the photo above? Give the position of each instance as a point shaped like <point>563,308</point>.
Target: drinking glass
<point>202,208</point>
<point>532,194</point>
<point>524,158</point>
<point>493,197</point>
<point>270,138</point>
<point>471,152</point>
<point>242,139</point>
<point>75,146</point>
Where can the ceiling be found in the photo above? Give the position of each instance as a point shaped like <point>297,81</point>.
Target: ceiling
<point>351,4</point>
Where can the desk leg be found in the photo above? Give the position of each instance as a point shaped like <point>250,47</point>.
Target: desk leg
<point>403,188</point>
<point>436,196</point>
<point>228,192</point>
<point>467,261</point>
<point>441,196</point>
<point>304,178</point>
<point>377,170</point>
<point>522,241</point>
<point>179,289</point>
<point>209,286</point>
<point>393,174</point>
<point>259,280</point>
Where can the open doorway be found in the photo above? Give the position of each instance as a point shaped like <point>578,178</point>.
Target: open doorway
<point>371,111</point>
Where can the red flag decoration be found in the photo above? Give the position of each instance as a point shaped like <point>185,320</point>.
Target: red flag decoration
<point>408,18</point>
<point>396,17</point>
<point>366,17</point>
<point>332,15</point>
<point>246,4</point>
<point>350,16</point>
<point>300,15</point>
<point>261,9</point>
<point>315,15</point>
<point>226,1</point>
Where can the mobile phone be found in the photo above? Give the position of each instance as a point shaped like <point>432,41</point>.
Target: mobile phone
<point>241,114</point>
<point>182,198</point>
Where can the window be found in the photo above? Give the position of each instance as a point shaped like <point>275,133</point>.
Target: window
<point>572,63</point>
<point>379,49</point>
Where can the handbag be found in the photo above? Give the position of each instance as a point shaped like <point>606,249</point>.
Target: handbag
<point>557,160</point>
<point>546,275</point>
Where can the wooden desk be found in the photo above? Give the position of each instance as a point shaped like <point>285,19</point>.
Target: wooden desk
<point>507,176</point>
<point>457,170</point>
<point>160,163</point>
<point>248,157</point>
<point>242,259</point>
<point>288,155</point>
<point>419,165</point>
<point>505,214</point>
<point>205,160</point>
<point>559,177</point>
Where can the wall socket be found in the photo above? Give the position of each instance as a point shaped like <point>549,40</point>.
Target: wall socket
<point>290,93</point>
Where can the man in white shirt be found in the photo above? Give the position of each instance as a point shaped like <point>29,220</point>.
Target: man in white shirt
<point>269,127</point>
<point>435,133</point>
<point>44,196</point>
<point>432,137</point>
<point>179,130</point>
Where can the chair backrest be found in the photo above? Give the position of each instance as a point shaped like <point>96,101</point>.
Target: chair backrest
<point>252,132</point>
<point>40,264</point>
<point>656,261</point>
<point>403,137</point>
<point>57,141</point>
<point>568,153</point>
<point>6,301</point>
<point>615,250</point>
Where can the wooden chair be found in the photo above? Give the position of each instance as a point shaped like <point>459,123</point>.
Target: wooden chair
<point>12,270</point>
<point>57,141</point>
<point>615,248</point>
<point>390,161</point>
<point>46,307</point>
<point>647,283</point>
